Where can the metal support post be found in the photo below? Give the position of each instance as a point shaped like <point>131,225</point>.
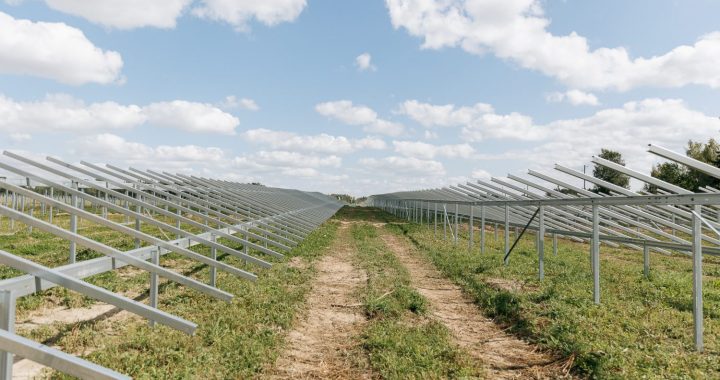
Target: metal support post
<point>177,221</point>
<point>7,323</point>
<point>445,222</point>
<point>139,210</point>
<point>428,214</point>
<point>73,224</point>
<point>646,260</point>
<point>420,212</point>
<point>457,229</point>
<point>596,253</point>
<point>52,195</point>
<point>155,259</point>
<point>213,255</point>
<point>471,227</point>
<point>14,206</point>
<point>482,229</point>
<point>697,279</point>
<point>507,232</point>
<point>541,243</point>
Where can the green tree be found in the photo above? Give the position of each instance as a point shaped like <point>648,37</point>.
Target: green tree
<point>610,175</point>
<point>681,175</point>
<point>344,198</point>
<point>707,153</point>
<point>670,172</point>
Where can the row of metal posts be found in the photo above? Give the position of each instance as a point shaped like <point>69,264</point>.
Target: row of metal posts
<point>7,300</point>
<point>594,249</point>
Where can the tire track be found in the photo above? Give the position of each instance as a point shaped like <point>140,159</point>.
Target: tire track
<point>321,345</point>
<point>503,356</point>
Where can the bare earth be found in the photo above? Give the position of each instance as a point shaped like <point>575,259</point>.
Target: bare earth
<point>24,369</point>
<point>503,356</point>
<point>321,345</point>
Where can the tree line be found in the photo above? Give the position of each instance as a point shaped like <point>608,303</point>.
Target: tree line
<point>671,172</point>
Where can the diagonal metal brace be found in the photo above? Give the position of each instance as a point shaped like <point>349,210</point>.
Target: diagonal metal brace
<point>521,235</point>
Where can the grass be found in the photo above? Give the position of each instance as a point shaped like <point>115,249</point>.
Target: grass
<point>642,329</point>
<point>399,341</point>
<point>233,340</point>
<point>49,250</point>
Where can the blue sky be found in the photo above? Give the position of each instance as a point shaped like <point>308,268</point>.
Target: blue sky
<point>447,91</point>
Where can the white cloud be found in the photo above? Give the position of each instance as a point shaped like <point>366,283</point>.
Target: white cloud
<point>627,129</point>
<point>364,62</point>
<point>428,151</point>
<point>131,14</point>
<point>277,165</point>
<point>447,115</point>
<point>322,143</point>
<point>295,159</point>
<point>574,97</point>
<point>481,174</point>
<point>510,126</point>
<point>430,135</point>
<point>264,166</point>
<point>238,13</point>
<point>384,127</point>
<point>370,143</point>
<point>346,112</point>
<point>478,121</point>
<point>54,51</point>
<point>232,102</point>
<point>110,146</point>
<point>517,30</point>
<point>64,113</point>
<point>290,141</point>
<point>666,122</point>
<point>403,166</point>
<point>124,14</point>
<point>191,117</point>
<point>20,137</point>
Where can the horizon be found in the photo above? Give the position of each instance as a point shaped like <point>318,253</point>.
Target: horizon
<point>356,97</point>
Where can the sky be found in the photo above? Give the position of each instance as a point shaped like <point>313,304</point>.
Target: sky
<point>356,96</point>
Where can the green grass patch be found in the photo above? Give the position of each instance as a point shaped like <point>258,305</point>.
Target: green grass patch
<point>233,340</point>
<point>400,342</point>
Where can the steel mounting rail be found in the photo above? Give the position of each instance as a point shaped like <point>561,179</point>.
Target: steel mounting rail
<point>254,223</point>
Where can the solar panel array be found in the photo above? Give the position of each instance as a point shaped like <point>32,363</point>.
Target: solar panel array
<point>188,211</point>
<point>672,220</point>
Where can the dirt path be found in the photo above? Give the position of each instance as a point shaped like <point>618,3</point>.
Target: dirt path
<point>503,356</point>
<point>321,345</point>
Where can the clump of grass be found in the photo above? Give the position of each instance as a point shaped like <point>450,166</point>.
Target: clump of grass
<point>388,293</point>
<point>641,329</point>
<point>399,341</point>
<point>400,351</point>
